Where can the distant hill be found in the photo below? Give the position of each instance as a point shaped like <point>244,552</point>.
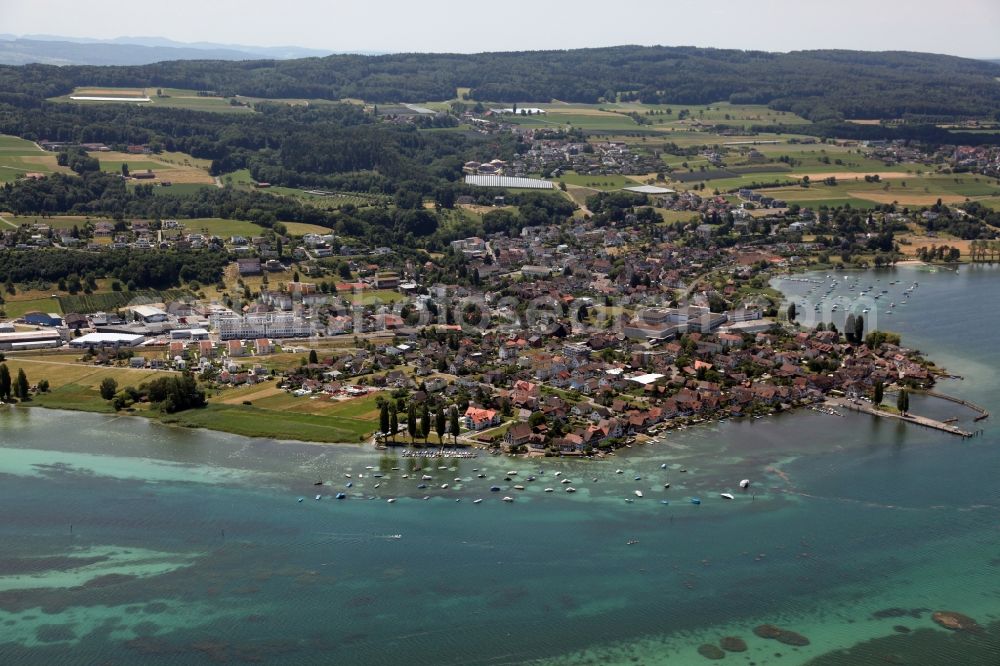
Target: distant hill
<point>54,50</point>
<point>819,85</point>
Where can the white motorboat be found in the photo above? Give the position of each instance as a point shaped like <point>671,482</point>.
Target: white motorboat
<point>726,496</point>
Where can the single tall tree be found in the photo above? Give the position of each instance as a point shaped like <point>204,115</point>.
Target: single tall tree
<point>425,422</point>
<point>849,328</point>
<point>313,356</point>
<point>21,386</point>
<point>454,424</point>
<point>859,329</point>
<point>879,394</point>
<point>791,312</point>
<point>4,382</point>
<point>903,401</point>
<point>393,423</point>
<point>440,426</point>
<point>383,419</point>
<point>411,421</point>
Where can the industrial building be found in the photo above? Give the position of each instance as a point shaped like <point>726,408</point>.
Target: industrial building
<point>107,340</point>
<point>30,340</point>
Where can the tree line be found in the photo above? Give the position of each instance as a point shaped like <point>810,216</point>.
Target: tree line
<point>819,84</point>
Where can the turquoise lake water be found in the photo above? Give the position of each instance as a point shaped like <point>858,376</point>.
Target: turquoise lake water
<point>124,541</point>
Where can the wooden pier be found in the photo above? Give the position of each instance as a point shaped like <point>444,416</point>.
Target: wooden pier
<point>867,408</point>
<point>983,414</point>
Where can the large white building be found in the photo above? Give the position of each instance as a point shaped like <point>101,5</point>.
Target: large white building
<point>232,326</point>
<point>107,340</point>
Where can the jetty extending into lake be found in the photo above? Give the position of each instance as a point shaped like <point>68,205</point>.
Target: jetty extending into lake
<point>868,408</point>
<point>982,412</point>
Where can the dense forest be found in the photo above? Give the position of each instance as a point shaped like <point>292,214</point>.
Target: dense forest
<point>160,270</point>
<point>819,85</point>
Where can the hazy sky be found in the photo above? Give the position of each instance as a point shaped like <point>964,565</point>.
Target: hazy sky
<point>960,27</point>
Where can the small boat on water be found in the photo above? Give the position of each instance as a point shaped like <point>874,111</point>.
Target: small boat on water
<point>570,489</point>
<point>629,500</point>
<point>664,502</point>
<point>427,477</point>
<point>549,490</point>
<point>477,501</point>
<point>391,500</point>
<point>444,486</point>
<point>566,481</point>
<point>631,542</point>
<point>744,484</point>
<point>666,485</point>
<point>422,486</point>
<point>638,478</point>
<point>341,496</point>
<point>508,498</point>
<point>319,497</point>
<point>618,471</point>
<point>728,496</point>
<point>494,489</point>
<point>558,474</point>
<point>638,493</point>
<point>518,487</point>
<point>480,476</point>
<point>695,500</point>
<point>663,466</point>
<point>318,483</point>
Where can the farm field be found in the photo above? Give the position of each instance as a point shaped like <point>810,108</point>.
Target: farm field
<point>55,222</point>
<point>220,227</point>
<point>241,179</point>
<point>180,98</point>
<point>172,97</point>
<point>319,419</point>
<point>179,189</point>
<point>15,307</point>
<point>302,228</point>
<point>19,156</point>
<point>251,421</point>
<point>613,116</point>
<point>112,300</point>
<point>176,167</point>
<point>74,385</point>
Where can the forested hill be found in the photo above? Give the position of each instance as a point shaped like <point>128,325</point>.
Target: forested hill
<point>820,85</point>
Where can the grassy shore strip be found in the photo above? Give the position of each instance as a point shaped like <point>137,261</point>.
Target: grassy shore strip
<point>76,386</point>
<point>235,419</point>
